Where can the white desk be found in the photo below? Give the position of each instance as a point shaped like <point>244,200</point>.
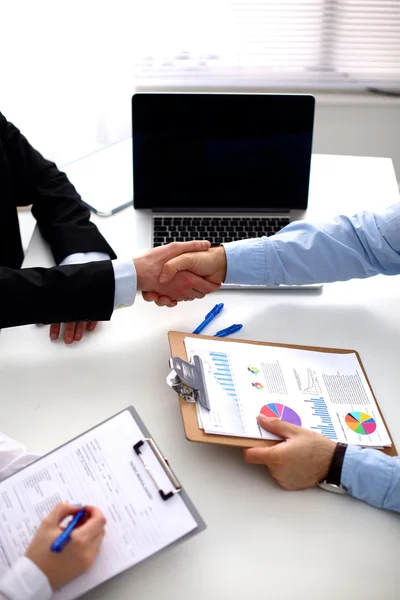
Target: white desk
<point>261,542</point>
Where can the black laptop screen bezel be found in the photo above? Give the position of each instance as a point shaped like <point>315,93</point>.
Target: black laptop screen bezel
<point>288,119</point>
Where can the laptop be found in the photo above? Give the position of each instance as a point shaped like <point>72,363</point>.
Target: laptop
<point>221,167</point>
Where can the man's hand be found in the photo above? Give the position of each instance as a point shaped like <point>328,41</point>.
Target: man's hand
<point>300,462</point>
<point>73,332</point>
<point>210,265</point>
<point>178,283</point>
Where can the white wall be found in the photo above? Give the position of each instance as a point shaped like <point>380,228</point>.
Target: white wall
<point>358,125</point>
<point>67,76</point>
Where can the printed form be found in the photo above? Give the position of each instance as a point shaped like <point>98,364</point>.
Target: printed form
<point>102,469</point>
<point>322,391</point>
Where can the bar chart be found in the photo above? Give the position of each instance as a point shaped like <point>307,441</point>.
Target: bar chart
<point>320,411</point>
<point>222,372</point>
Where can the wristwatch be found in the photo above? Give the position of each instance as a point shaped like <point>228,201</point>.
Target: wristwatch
<point>332,481</point>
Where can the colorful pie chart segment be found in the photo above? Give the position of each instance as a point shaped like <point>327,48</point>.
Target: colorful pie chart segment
<point>361,423</point>
<point>280,411</point>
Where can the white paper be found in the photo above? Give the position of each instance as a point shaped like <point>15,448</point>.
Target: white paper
<point>99,468</point>
<point>325,392</point>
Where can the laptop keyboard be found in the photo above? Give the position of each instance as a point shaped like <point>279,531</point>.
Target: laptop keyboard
<point>214,229</point>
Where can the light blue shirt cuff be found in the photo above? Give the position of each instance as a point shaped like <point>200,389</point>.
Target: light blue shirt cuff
<point>246,262</point>
<point>84,257</point>
<point>372,476</point>
<point>125,283</point>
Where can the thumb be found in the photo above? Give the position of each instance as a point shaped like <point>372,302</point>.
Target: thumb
<point>257,456</point>
<point>278,427</point>
<point>177,248</point>
<point>185,262</point>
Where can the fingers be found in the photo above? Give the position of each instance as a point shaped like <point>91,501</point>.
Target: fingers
<point>173,266</point>
<point>257,456</point>
<point>150,296</point>
<point>69,332</point>
<point>278,427</point>
<point>94,524</point>
<point>61,512</point>
<point>91,326</point>
<point>202,286</point>
<point>73,332</point>
<point>55,331</point>
<point>174,249</point>
<point>79,329</point>
<point>198,295</point>
<point>161,300</point>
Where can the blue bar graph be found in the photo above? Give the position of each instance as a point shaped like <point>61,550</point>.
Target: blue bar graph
<point>223,373</point>
<point>320,411</point>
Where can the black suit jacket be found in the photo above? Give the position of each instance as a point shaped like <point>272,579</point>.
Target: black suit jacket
<point>60,294</point>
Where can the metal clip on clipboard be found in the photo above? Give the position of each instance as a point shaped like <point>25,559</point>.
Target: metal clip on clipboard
<point>187,379</point>
<point>164,463</point>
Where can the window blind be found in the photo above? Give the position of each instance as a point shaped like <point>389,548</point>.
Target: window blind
<point>269,43</point>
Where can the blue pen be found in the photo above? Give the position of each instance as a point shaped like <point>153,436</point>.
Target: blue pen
<point>65,536</point>
<point>228,330</point>
<point>211,315</point>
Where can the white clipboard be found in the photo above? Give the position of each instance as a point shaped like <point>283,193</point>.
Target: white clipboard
<point>118,467</point>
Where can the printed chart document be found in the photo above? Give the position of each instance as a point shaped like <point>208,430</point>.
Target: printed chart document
<point>102,469</point>
<point>325,392</point>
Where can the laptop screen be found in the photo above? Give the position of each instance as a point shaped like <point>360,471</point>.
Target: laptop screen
<point>218,152</point>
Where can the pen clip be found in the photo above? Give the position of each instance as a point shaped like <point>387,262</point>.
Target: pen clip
<point>214,311</point>
<point>164,463</point>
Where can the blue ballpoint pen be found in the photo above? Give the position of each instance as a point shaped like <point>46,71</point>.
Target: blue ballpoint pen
<point>209,317</point>
<point>228,331</point>
<point>65,536</point>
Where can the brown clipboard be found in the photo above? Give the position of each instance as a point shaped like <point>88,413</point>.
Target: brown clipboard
<point>188,409</point>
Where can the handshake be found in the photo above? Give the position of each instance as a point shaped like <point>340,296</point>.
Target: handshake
<point>180,271</point>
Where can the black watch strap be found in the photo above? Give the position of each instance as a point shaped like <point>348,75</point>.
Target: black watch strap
<point>335,470</point>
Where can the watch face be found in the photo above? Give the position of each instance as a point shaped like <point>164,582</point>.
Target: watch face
<point>331,487</point>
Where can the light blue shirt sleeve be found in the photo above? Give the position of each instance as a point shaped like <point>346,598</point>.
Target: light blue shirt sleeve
<point>344,248</point>
<point>124,273</point>
<point>372,476</point>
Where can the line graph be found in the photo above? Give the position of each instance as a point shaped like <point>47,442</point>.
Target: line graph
<point>307,382</point>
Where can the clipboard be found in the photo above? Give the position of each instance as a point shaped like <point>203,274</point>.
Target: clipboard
<point>188,403</point>
<point>32,477</point>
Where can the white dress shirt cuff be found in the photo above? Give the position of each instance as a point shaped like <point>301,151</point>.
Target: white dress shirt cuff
<point>125,283</point>
<point>124,273</point>
<point>25,581</point>
<point>83,257</point>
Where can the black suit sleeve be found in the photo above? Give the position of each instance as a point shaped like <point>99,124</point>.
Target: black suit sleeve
<point>62,217</point>
<point>57,295</point>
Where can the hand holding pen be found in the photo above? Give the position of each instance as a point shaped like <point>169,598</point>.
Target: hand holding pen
<point>77,553</point>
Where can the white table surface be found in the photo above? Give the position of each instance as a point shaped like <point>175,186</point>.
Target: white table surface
<point>261,542</point>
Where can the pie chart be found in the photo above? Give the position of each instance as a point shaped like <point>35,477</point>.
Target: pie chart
<point>360,423</point>
<point>280,411</point>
